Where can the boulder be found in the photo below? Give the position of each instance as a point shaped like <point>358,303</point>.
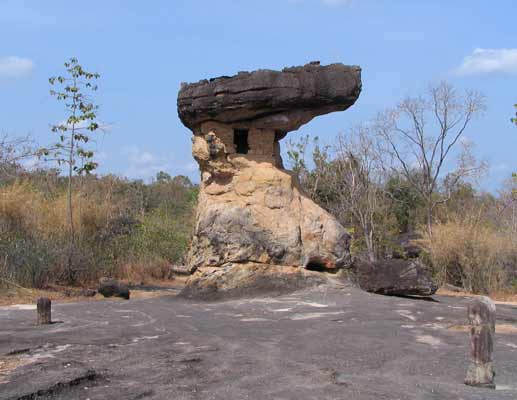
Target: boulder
<point>407,245</point>
<point>282,100</point>
<point>235,281</point>
<point>111,288</point>
<point>395,277</point>
<point>181,270</point>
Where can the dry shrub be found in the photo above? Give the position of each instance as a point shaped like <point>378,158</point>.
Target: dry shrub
<point>473,255</point>
<point>123,229</point>
<point>24,208</point>
<point>141,272</point>
<point>20,208</point>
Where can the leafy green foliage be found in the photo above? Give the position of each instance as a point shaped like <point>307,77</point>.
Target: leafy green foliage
<point>74,134</point>
<point>405,205</point>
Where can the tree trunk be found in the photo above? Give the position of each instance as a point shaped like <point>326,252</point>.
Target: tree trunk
<point>430,219</point>
<point>368,237</point>
<point>71,238</point>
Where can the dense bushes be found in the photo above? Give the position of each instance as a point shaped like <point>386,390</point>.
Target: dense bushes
<point>125,229</point>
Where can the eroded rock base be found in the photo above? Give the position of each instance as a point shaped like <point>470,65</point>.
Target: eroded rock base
<point>247,280</point>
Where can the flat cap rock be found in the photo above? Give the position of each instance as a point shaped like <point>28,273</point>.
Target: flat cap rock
<point>282,100</point>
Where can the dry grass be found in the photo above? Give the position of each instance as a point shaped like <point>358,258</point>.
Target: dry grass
<point>59,294</point>
<point>25,208</point>
<point>507,329</point>
<point>471,254</point>
<point>66,294</point>
<point>497,297</point>
<point>140,272</point>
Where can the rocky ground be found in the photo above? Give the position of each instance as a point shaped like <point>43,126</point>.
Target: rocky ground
<point>329,342</point>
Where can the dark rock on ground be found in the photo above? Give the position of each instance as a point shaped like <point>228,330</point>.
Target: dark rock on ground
<point>111,288</point>
<point>181,270</point>
<point>395,277</point>
<point>282,100</point>
<point>88,292</point>
<point>452,288</point>
<point>407,245</point>
<point>79,292</point>
<point>247,280</point>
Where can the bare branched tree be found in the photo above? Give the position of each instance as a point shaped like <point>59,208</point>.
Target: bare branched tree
<point>347,179</point>
<point>421,133</point>
<point>358,179</point>
<point>13,152</point>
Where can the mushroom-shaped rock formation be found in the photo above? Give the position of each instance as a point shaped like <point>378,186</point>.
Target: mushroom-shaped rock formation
<point>251,210</point>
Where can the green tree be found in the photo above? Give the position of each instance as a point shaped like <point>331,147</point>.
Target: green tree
<point>74,89</point>
<point>405,203</point>
<point>163,176</point>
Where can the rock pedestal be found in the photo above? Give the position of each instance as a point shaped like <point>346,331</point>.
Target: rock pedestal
<point>482,318</point>
<point>44,310</point>
<point>251,210</point>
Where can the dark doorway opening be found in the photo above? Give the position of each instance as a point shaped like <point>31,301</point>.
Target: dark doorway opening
<point>319,265</point>
<point>240,140</point>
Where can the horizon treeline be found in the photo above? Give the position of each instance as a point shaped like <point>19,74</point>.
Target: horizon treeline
<point>135,230</point>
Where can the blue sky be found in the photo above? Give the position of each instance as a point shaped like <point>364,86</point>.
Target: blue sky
<point>144,49</point>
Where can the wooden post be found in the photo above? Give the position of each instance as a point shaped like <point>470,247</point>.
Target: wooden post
<point>482,317</point>
<point>44,311</point>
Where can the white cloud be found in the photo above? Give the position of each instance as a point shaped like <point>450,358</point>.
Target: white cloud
<point>190,167</point>
<point>101,156</point>
<point>486,61</point>
<point>324,2</point>
<point>143,164</point>
<point>15,67</point>
<point>335,2</point>
<point>500,167</point>
<point>466,141</point>
<point>31,163</point>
